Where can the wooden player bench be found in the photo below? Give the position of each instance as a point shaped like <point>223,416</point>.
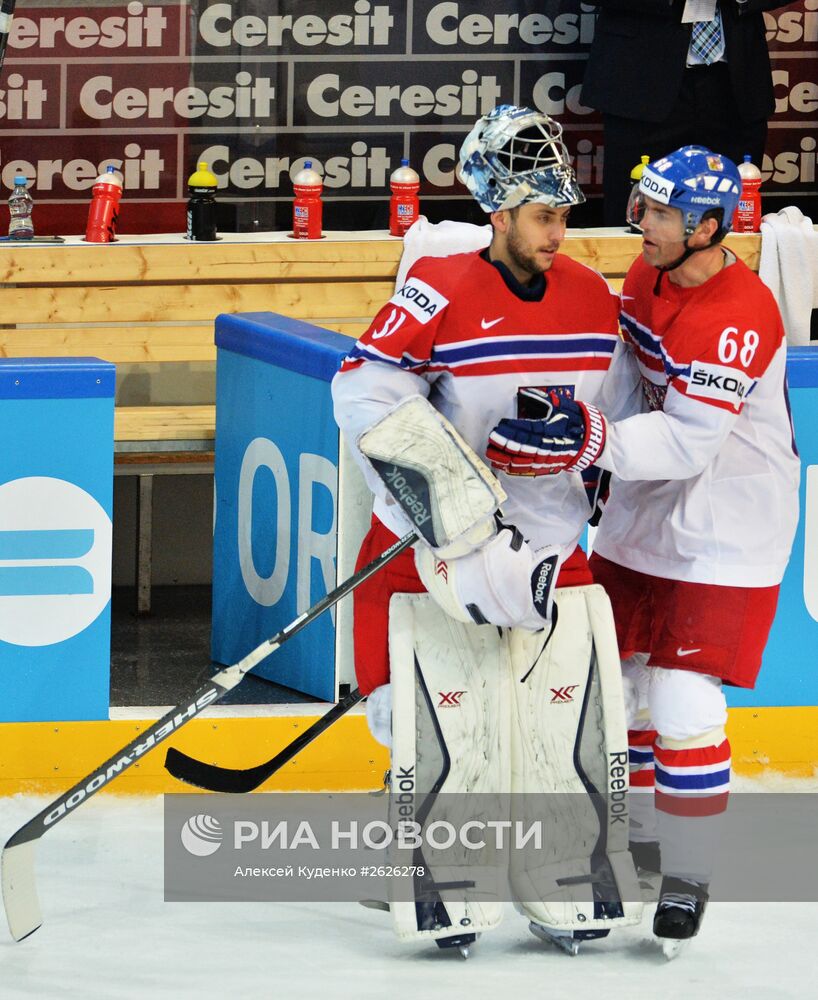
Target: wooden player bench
<point>151,301</point>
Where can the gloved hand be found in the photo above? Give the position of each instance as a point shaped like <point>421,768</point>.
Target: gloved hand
<point>569,436</point>
<point>504,582</point>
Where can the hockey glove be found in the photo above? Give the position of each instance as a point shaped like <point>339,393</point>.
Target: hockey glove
<point>504,582</point>
<point>569,437</point>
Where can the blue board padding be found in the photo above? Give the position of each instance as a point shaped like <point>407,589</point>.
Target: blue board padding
<point>789,672</point>
<point>69,439</point>
<point>287,343</point>
<point>56,378</point>
<point>292,411</point>
<point>802,367</point>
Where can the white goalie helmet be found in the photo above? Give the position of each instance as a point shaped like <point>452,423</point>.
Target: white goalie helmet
<point>514,156</point>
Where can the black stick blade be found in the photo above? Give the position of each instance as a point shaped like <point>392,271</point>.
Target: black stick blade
<point>227,779</point>
<point>210,776</point>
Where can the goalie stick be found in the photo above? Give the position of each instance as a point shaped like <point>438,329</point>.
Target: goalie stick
<point>18,878</point>
<point>228,779</point>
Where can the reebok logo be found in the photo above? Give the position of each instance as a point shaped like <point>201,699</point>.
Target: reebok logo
<point>450,699</point>
<point>563,695</point>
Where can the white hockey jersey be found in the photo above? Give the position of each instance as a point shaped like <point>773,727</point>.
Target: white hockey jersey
<point>705,483</point>
<point>457,334</point>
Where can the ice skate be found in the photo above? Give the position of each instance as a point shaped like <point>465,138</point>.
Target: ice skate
<point>679,914</point>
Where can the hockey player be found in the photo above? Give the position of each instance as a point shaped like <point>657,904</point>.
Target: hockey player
<point>482,336</point>
<point>702,511</point>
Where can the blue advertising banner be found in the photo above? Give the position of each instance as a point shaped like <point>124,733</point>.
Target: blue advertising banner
<point>276,472</point>
<point>56,494</point>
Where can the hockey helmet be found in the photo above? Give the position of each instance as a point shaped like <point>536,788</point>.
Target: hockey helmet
<point>694,180</point>
<point>514,156</point>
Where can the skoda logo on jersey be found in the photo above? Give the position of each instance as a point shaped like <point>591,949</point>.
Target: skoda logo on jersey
<point>419,300</point>
<point>55,561</point>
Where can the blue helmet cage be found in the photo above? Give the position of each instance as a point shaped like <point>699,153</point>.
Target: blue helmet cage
<point>694,180</point>
<point>514,156</point>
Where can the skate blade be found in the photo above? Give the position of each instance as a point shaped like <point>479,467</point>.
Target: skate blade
<point>564,940</point>
<point>464,951</point>
<point>671,948</point>
<point>375,904</point>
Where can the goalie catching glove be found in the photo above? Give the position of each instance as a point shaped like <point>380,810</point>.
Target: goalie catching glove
<point>504,582</point>
<point>448,494</point>
<point>568,436</point>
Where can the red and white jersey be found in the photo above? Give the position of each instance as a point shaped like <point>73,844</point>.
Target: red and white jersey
<point>456,333</point>
<point>706,480</point>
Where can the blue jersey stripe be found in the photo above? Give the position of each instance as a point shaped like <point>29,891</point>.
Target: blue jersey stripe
<point>582,346</point>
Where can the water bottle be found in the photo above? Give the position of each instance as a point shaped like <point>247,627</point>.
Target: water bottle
<point>201,205</point>
<point>748,214</point>
<point>636,176</point>
<point>21,205</point>
<point>307,207</point>
<point>104,209</point>
<point>404,207</point>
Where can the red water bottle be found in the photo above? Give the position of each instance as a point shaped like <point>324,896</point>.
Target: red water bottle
<point>307,207</point>
<point>404,206</point>
<point>104,210</point>
<point>748,213</point>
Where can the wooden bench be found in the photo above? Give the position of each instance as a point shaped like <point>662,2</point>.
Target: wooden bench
<point>150,302</point>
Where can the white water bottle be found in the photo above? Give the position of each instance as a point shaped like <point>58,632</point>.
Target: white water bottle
<point>21,205</point>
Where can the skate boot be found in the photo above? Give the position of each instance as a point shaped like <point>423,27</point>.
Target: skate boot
<point>681,908</point>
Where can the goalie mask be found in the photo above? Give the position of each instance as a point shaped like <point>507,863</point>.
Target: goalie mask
<point>514,156</point>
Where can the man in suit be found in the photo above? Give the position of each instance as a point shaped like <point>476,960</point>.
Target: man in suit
<point>670,73</point>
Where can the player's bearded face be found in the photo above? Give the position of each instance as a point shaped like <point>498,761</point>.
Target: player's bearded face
<point>663,233</point>
<point>534,236</point>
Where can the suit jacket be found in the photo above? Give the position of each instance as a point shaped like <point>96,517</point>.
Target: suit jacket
<point>639,52</point>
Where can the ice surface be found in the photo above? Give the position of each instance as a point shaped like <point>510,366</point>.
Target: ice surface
<point>108,934</point>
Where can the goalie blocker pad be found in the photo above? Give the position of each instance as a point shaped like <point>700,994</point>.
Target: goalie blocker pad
<point>486,713</point>
<point>447,492</point>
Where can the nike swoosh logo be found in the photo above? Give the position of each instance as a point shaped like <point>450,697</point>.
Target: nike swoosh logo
<point>488,325</point>
<point>686,652</point>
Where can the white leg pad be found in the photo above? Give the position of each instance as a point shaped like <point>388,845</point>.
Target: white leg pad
<point>450,733</point>
<point>569,739</point>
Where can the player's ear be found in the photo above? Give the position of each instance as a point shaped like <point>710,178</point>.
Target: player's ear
<point>706,231</point>
<point>500,220</point>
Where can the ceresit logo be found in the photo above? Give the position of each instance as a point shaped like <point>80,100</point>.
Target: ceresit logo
<point>55,561</point>
<point>656,187</point>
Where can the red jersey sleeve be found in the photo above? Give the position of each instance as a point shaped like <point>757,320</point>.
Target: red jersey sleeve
<point>403,331</point>
<point>726,346</point>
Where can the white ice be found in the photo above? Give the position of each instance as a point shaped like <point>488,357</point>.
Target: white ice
<point>108,934</point>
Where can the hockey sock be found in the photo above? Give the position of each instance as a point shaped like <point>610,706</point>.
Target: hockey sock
<point>692,786</point>
<point>641,805</point>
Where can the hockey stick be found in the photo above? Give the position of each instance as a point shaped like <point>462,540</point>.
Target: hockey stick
<point>17,859</point>
<point>227,779</point>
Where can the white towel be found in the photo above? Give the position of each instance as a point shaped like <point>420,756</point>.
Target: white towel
<point>789,268</point>
<point>442,239</point>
